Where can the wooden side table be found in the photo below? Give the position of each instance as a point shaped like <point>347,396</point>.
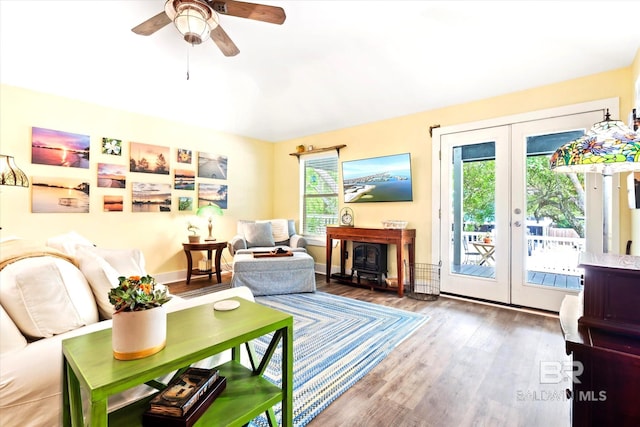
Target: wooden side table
<point>209,247</point>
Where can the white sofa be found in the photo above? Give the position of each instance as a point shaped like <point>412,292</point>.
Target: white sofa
<point>47,296</point>
<point>266,235</point>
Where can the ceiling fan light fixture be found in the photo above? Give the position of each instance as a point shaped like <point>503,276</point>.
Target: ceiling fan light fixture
<point>193,19</point>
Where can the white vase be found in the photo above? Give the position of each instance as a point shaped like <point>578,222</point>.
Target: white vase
<point>138,334</point>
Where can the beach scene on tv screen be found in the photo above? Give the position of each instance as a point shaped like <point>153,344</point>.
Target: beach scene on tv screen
<point>378,179</point>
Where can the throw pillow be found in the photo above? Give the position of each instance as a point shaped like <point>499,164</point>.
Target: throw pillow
<point>292,227</point>
<point>33,277</point>
<point>68,242</point>
<point>127,262</point>
<point>280,230</point>
<point>40,303</point>
<point>101,277</point>
<point>258,234</point>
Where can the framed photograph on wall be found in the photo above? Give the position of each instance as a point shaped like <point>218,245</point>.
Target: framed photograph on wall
<point>214,193</point>
<point>112,203</point>
<point>57,148</point>
<point>184,156</point>
<point>185,203</point>
<point>59,195</point>
<point>212,166</point>
<point>112,146</point>
<point>112,176</point>
<point>150,197</point>
<point>184,179</point>
<point>148,158</point>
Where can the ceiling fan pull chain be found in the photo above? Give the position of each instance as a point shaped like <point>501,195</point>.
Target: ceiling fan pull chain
<point>187,63</point>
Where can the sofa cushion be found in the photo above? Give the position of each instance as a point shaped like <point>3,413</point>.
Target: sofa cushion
<point>46,296</point>
<point>10,336</point>
<point>258,234</point>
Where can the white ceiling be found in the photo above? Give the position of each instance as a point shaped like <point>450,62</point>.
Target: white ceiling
<point>332,64</point>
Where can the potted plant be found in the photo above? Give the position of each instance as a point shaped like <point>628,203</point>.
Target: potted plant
<point>139,319</point>
<point>487,238</point>
<point>193,229</point>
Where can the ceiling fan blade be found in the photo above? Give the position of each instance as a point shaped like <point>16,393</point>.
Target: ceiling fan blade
<point>226,45</point>
<point>259,12</point>
<point>152,25</point>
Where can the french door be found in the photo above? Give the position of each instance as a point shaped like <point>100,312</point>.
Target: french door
<point>511,230</point>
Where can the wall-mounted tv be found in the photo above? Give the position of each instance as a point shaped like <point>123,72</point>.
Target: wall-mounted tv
<point>378,179</point>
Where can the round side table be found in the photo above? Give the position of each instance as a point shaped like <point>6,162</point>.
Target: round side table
<point>210,247</point>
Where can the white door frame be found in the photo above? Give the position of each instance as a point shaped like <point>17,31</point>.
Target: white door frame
<point>611,103</point>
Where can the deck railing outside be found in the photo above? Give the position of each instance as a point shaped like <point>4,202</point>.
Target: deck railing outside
<point>545,253</point>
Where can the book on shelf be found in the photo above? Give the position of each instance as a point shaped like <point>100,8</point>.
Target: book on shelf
<point>183,392</point>
<point>150,419</point>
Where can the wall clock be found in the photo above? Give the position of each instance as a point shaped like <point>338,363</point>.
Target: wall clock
<point>346,217</point>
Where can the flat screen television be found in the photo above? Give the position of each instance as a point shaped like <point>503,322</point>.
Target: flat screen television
<point>377,179</point>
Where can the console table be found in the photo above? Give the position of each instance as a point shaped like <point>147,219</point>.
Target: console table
<point>398,237</point>
<point>218,247</point>
<point>192,335</point>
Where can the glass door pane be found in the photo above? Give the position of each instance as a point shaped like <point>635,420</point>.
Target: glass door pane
<point>555,216</point>
<point>550,212</point>
<point>473,184</point>
<point>475,229</point>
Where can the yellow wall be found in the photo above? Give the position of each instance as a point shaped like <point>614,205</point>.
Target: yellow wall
<point>263,177</point>
<point>158,235</point>
<point>411,134</point>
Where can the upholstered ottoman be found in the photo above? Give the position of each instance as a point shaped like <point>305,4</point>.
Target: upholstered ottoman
<point>274,275</point>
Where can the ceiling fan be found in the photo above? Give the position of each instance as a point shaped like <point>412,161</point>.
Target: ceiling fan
<point>197,20</point>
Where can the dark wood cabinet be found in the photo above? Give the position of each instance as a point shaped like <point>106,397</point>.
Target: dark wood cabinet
<point>611,292</point>
<point>600,329</point>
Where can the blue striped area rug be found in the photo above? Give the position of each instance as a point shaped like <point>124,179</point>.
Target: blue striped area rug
<point>336,341</point>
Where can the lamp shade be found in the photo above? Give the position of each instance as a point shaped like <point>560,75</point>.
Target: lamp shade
<point>209,210</point>
<point>609,147</point>
<point>10,173</point>
<point>608,143</point>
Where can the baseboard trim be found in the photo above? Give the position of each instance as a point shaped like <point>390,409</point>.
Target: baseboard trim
<point>178,276</point>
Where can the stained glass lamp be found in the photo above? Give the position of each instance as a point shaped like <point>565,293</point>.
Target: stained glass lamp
<point>209,211</point>
<point>609,147</point>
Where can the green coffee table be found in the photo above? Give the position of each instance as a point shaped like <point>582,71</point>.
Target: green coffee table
<point>192,335</point>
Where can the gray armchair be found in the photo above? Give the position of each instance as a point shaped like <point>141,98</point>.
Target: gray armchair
<point>266,235</point>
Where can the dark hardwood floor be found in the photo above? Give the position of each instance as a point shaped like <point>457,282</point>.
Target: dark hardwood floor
<point>471,364</point>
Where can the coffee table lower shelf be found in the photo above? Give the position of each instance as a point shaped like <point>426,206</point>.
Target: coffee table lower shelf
<point>246,396</point>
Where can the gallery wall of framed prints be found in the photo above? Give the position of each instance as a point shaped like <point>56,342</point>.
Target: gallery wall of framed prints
<point>132,176</point>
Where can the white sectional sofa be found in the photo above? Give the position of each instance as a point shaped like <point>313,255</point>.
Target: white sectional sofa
<point>48,295</point>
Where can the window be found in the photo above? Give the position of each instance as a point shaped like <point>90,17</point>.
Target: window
<point>319,195</point>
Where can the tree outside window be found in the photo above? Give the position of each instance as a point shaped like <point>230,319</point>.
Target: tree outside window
<point>320,193</point>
